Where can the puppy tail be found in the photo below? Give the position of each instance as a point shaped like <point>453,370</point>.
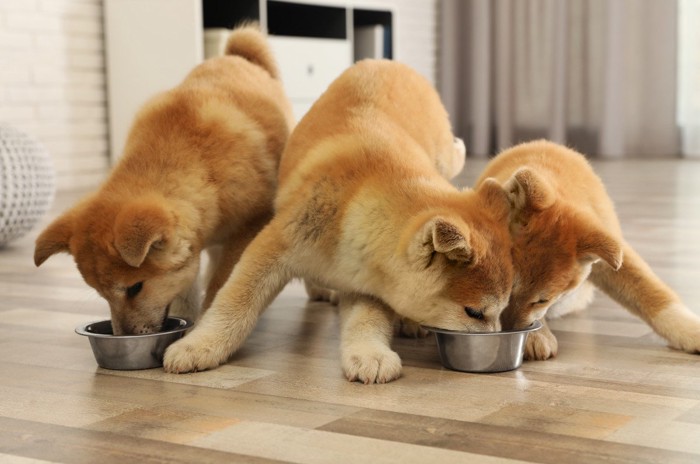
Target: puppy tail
<point>249,42</point>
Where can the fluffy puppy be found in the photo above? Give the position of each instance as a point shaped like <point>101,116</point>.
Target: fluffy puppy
<point>364,208</point>
<point>199,171</point>
<point>567,239</point>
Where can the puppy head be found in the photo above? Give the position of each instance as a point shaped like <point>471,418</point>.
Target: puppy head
<point>134,253</point>
<point>460,264</point>
<point>554,248</point>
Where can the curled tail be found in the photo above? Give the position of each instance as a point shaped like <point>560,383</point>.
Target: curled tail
<point>249,42</point>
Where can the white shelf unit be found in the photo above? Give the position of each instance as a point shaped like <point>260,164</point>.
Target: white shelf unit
<point>152,44</point>
<point>305,79</point>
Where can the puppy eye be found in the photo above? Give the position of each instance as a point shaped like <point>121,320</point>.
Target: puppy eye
<point>540,301</point>
<point>473,313</point>
<point>134,290</point>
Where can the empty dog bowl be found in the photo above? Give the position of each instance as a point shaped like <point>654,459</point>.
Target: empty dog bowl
<point>482,352</point>
<point>131,352</point>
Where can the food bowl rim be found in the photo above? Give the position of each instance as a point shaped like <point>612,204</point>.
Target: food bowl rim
<point>531,328</point>
<point>82,330</point>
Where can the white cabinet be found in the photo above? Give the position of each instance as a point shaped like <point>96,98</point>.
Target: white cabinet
<point>152,44</point>
<point>308,66</point>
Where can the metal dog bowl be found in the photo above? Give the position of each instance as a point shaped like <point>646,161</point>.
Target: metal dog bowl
<point>131,352</point>
<point>482,352</point>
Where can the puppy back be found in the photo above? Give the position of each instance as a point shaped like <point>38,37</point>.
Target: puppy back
<point>249,42</point>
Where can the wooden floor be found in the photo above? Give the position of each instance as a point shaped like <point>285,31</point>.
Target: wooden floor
<point>614,394</point>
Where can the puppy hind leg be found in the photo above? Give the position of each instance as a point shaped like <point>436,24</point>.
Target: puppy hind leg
<point>187,304</point>
<point>222,260</point>
<point>366,331</point>
<point>575,301</point>
<point>213,259</point>
<point>317,292</point>
<point>408,328</point>
<point>636,287</point>
<point>258,278</point>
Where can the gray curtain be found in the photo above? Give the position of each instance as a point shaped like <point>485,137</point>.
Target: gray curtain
<point>597,75</point>
<point>689,76</point>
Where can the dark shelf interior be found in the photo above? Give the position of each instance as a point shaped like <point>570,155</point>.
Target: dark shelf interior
<point>361,17</point>
<point>371,17</point>
<point>285,18</point>
<point>229,14</point>
<point>303,20</point>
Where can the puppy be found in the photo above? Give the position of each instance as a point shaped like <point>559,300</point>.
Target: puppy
<point>364,208</point>
<point>199,171</point>
<point>567,239</point>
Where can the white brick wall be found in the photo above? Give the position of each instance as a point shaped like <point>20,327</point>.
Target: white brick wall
<point>52,83</point>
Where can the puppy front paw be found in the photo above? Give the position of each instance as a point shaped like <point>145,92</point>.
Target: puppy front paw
<point>687,339</point>
<point>191,355</point>
<point>680,326</point>
<point>371,364</point>
<point>541,345</point>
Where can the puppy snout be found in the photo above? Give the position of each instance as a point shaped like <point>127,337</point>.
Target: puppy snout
<point>135,328</point>
<point>144,330</point>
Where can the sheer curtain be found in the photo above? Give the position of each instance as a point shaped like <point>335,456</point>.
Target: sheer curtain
<point>689,76</point>
<point>600,76</point>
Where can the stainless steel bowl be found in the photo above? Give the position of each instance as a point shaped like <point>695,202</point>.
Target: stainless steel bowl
<point>131,352</point>
<point>482,352</point>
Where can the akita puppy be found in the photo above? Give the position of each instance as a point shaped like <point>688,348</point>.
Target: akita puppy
<point>199,171</point>
<point>364,208</point>
<point>567,239</point>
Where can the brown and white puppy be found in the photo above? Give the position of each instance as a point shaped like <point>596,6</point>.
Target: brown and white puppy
<point>199,171</point>
<point>364,208</point>
<point>567,239</point>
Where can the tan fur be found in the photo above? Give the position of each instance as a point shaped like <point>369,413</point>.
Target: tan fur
<point>198,172</point>
<point>364,208</point>
<point>566,236</point>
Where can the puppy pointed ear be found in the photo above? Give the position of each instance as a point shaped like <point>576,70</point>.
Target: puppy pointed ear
<point>55,238</point>
<point>138,228</point>
<point>528,190</point>
<point>440,235</point>
<point>594,243</point>
<point>495,197</point>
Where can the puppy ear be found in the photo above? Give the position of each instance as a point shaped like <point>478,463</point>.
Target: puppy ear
<point>594,243</point>
<point>528,190</point>
<point>55,238</point>
<point>443,236</point>
<point>495,197</point>
<point>139,227</point>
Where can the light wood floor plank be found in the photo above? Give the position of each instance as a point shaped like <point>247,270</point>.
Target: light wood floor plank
<point>10,459</point>
<point>79,446</point>
<point>320,447</point>
<point>508,441</point>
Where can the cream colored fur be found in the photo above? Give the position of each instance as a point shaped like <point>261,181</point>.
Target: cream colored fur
<point>566,239</point>
<point>199,171</point>
<point>364,208</point>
